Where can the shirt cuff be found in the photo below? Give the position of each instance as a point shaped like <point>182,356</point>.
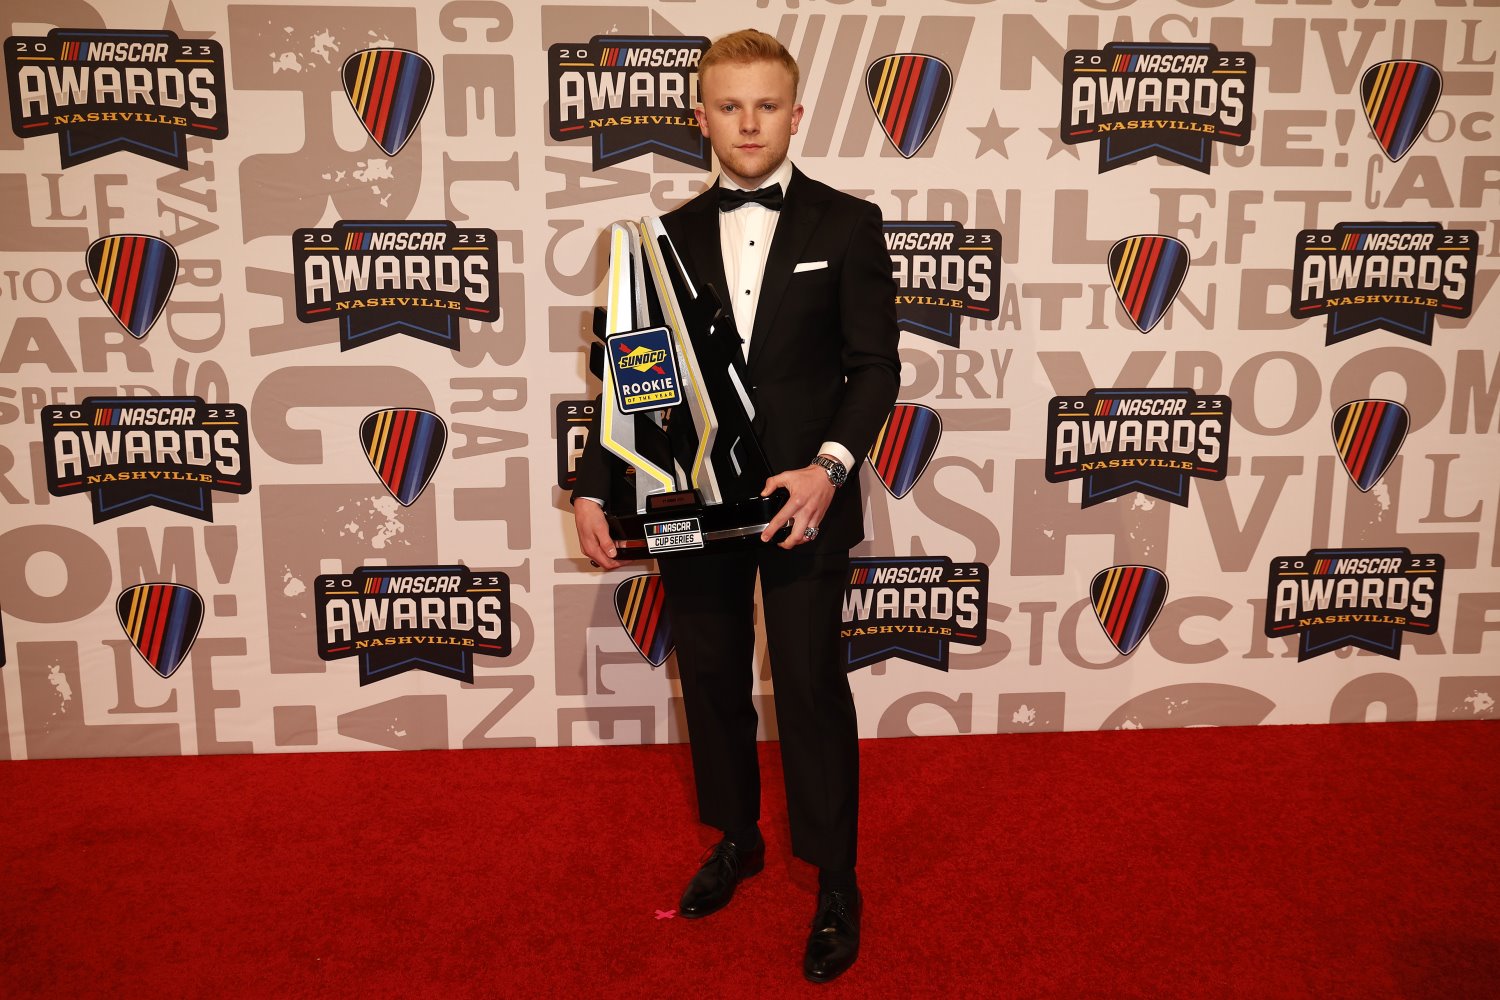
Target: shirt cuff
<point>594,499</point>
<point>839,452</point>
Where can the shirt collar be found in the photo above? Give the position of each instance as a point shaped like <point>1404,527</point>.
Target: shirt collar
<point>781,175</point>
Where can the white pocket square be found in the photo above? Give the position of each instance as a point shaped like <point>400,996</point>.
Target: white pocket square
<point>811,265</point>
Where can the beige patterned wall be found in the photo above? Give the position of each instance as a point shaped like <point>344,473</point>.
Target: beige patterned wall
<point>481,157</point>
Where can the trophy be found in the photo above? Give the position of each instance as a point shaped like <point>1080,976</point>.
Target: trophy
<point>675,409</point>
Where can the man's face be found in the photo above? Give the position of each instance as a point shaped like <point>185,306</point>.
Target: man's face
<point>749,113</point>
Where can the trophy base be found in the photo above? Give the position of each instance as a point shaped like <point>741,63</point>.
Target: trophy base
<point>680,523</point>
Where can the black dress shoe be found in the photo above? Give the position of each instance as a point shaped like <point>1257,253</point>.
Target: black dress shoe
<point>833,944</point>
<point>713,887</point>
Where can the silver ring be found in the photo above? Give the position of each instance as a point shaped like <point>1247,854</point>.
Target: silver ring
<point>810,533</point>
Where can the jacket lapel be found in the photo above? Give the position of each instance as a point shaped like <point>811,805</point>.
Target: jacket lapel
<point>800,214</point>
<point>700,252</point>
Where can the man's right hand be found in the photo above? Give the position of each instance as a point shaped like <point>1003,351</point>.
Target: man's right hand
<point>593,533</point>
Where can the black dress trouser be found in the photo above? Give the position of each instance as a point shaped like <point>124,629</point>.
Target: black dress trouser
<point>710,603</point>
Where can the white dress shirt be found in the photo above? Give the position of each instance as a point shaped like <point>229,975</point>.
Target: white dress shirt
<point>745,236</point>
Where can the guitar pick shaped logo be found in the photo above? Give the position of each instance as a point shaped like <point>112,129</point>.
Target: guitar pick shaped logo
<point>388,89</point>
<point>161,620</point>
<point>640,602</point>
<point>1127,600</point>
<point>904,446</point>
<point>1399,95</point>
<point>1368,433</point>
<point>404,448</point>
<point>908,92</point>
<point>134,276</point>
<point>1147,272</point>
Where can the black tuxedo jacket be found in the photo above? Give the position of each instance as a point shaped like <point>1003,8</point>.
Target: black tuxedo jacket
<point>823,361</point>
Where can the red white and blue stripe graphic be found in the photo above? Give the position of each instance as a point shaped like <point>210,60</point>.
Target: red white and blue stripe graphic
<point>904,446</point>
<point>1126,601</point>
<point>134,276</point>
<point>1147,272</point>
<point>404,447</point>
<point>1368,434</point>
<point>640,603</point>
<point>388,89</point>
<point>1400,96</point>
<point>161,620</point>
<point>908,93</point>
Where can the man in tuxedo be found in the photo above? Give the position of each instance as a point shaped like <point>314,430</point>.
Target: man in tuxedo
<point>805,271</point>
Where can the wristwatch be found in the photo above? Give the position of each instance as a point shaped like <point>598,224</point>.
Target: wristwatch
<point>837,474</point>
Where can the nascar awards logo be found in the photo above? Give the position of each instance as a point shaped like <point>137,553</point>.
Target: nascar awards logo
<point>1366,598</point>
<point>134,276</point>
<point>574,417</point>
<point>908,92</point>
<point>100,91</point>
<point>943,273</point>
<point>1384,276</point>
<point>1368,433</point>
<point>1126,600</point>
<point>388,89</point>
<point>404,447</point>
<point>630,95</point>
<point>383,278</point>
<point>161,620</point>
<point>129,453</point>
<point>906,443</point>
<point>1151,441</point>
<point>1148,99</point>
<point>640,604</point>
<point>1399,97</point>
<point>399,618</point>
<point>913,608</point>
<point>1147,272</point>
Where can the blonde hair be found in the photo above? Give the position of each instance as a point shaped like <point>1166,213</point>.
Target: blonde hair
<point>745,46</point>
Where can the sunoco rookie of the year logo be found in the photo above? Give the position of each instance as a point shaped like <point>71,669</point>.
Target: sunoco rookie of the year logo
<point>1152,441</point>
<point>1138,100</point>
<point>1384,276</point>
<point>379,279</point>
<point>1366,598</point>
<point>99,91</point>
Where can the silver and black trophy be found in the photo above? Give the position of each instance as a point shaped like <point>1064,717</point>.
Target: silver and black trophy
<point>675,408</point>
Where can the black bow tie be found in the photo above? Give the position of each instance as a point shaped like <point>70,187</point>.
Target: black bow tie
<point>766,197</point>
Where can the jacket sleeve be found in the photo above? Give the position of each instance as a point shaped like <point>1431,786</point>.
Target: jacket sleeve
<point>871,362</point>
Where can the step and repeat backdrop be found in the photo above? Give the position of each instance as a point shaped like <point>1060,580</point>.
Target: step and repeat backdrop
<point>1199,402</point>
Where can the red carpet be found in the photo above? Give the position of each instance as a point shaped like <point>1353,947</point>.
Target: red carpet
<point>1299,861</point>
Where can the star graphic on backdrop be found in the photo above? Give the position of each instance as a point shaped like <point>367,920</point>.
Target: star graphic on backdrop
<point>992,136</point>
<point>1053,136</point>
<point>173,22</point>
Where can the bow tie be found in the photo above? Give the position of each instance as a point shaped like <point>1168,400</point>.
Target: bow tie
<point>766,197</point>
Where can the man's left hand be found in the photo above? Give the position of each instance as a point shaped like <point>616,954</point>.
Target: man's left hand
<point>811,493</point>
